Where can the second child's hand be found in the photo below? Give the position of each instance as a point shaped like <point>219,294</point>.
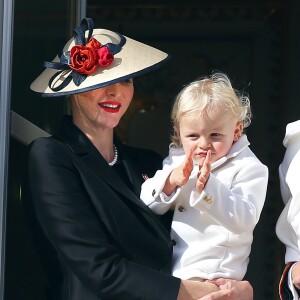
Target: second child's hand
<point>203,173</point>
<point>296,275</point>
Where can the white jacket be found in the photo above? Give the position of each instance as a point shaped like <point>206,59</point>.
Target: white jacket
<point>288,224</point>
<point>212,230</point>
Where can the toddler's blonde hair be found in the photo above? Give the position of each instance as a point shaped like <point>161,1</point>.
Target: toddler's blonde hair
<point>209,93</point>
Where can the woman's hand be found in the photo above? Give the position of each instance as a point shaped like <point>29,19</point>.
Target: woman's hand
<point>296,275</point>
<point>230,290</point>
<point>193,290</point>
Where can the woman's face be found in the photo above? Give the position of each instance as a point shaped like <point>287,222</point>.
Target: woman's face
<point>102,107</point>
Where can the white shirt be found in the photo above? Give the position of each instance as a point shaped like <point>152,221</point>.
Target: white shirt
<point>213,230</point>
<point>288,224</point>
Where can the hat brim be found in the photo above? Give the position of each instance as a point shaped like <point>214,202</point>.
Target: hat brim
<point>134,59</point>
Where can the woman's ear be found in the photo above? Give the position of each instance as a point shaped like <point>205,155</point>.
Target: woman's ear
<point>238,131</point>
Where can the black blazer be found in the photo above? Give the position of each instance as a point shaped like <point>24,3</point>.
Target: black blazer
<point>109,244</point>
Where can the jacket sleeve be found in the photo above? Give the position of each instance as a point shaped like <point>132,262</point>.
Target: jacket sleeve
<point>152,193</point>
<point>152,189</point>
<point>292,181</point>
<point>80,237</point>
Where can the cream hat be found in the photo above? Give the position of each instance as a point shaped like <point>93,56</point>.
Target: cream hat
<point>95,58</point>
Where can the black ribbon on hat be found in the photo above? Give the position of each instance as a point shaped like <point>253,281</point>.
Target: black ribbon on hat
<point>64,64</point>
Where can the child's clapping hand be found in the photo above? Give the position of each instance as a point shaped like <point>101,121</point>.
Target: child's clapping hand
<point>203,173</point>
<point>180,175</point>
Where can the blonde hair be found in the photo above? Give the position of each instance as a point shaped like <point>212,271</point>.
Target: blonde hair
<point>206,94</point>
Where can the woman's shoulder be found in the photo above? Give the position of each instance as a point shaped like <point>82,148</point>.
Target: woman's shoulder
<point>45,142</point>
<point>46,147</point>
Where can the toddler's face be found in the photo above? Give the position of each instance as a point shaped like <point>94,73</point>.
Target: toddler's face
<point>215,131</point>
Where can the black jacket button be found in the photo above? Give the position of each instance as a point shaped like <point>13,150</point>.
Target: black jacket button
<point>180,208</point>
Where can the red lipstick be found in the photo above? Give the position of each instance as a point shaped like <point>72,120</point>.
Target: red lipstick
<point>110,106</point>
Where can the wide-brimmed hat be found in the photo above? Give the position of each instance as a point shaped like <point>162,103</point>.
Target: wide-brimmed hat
<point>95,58</point>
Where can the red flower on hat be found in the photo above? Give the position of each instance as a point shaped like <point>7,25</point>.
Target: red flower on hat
<point>93,43</point>
<point>84,59</point>
<point>105,57</point>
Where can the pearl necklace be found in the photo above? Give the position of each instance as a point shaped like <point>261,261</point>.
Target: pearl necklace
<point>115,157</point>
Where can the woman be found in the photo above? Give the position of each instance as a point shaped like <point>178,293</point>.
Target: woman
<point>85,184</point>
<point>288,226</point>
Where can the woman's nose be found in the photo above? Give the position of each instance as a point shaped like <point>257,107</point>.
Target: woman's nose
<point>113,90</point>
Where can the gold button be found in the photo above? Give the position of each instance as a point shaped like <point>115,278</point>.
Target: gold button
<point>208,199</point>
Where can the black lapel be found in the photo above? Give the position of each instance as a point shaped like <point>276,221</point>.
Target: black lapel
<point>130,169</point>
<point>83,150</point>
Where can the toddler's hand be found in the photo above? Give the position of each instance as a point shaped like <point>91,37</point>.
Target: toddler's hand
<point>203,173</point>
<point>181,174</point>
